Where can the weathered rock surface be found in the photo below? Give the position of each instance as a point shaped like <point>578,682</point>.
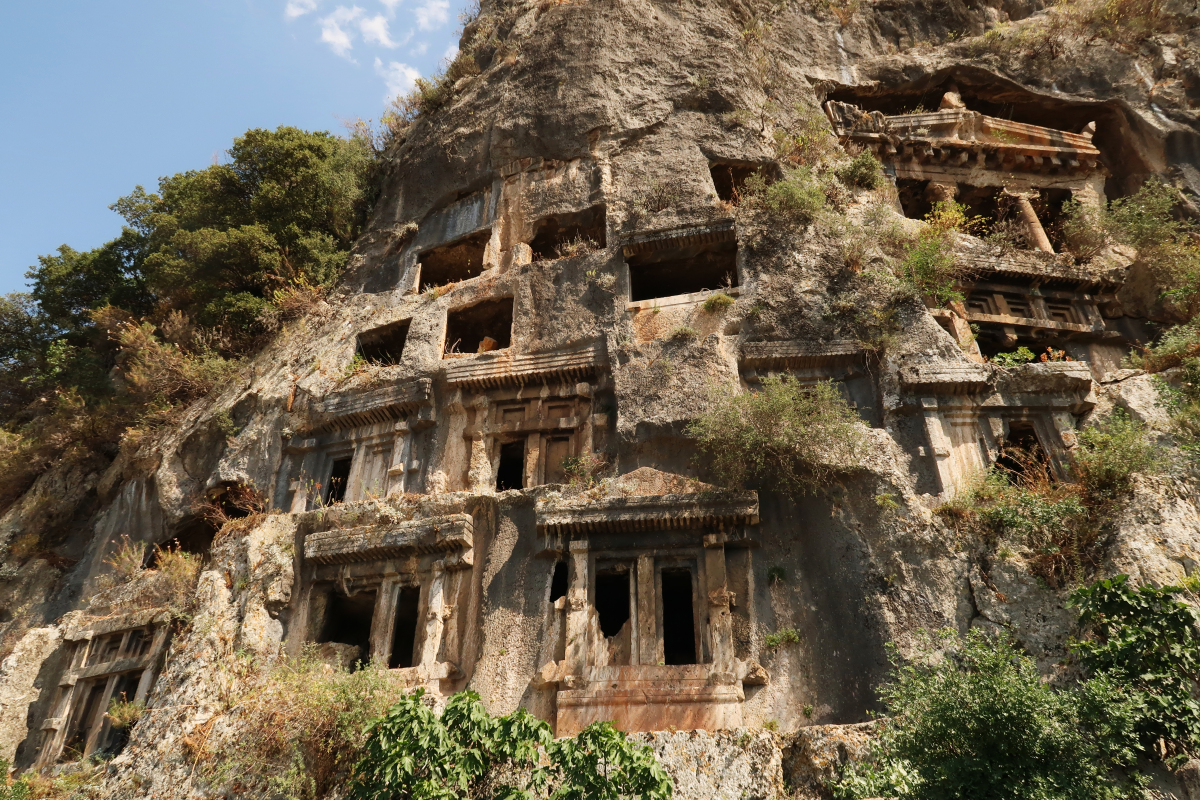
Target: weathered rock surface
<point>623,111</point>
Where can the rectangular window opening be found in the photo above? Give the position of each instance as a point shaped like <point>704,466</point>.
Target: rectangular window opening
<point>511,472</point>
<point>348,621</point>
<point>678,617</point>
<point>558,581</point>
<point>384,345</point>
<point>566,235</point>
<point>480,328</point>
<point>1022,458</point>
<point>729,178</point>
<point>612,610</point>
<point>454,262</point>
<point>81,726</point>
<point>404,638</point>
<point>339,478</point>
<point>683,270</point>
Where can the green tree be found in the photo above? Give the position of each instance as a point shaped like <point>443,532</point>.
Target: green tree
<point>284,210</point>
<point>979,723</point>
<point>413,754</point>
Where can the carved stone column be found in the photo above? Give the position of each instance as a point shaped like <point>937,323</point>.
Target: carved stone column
<point>577,609</point>
<point>1037,233</point>
<point>720,623</point>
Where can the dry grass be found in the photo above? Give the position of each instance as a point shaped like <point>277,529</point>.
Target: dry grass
<point>299,726</point>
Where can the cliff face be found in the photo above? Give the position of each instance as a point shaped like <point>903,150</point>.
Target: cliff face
<point>431,504</point>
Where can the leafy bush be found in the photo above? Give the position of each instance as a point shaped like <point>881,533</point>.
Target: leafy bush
<point>798,197</point>
<point>929,265</point>
<point>1083,229</point>
<point>684,332</point>
<point>1108,456</point>
<point>1146,640</point>
<point>786,636</point>
<point>979,722</point>
<point>717,301</point>
<point>863,171</point>
<point>792,436</point>
<point>301,724</point>
<point>1022,355</point>
<point>805,138</point>
<point>13,790</point>
<point>466,752</point>
<point>124,714</point>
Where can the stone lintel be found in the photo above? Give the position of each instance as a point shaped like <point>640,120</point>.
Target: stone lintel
<point>91,627</point>
<point>801,353</point>
<point>489,371</point>
<point>354,408</point>
<point>652,512</point>
<point>684,236</point>
<point>944,378</point>
<point>1044,377</point>
<point>374,542</point>
<point>1035,269</point>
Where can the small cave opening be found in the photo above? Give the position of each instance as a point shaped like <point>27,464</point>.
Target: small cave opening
<point>453,262</point>
<point>1022,458</point>
<point>682,270</point>
<point>339,480</point>
<point>194,537</point>
<point>729,178</point>
<point>913,198</point>
<point>384,345</point>
<point>404,635</point>
<point>612,612</point>
<point>479,328</point>
<point>678,617</point>
<point>510,473</point>
<point>565,235</point>
<point>558,581</point>
<point>348,620</point>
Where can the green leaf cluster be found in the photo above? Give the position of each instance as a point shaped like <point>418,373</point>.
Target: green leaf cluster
<point>979,722</point>
<point>790,435</point>
<point>1148,642</point>
<point>413,753</point>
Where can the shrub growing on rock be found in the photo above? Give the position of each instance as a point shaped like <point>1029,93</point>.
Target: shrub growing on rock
<point>413,752</point>
<point>790,435</point>
<point>979,722</point>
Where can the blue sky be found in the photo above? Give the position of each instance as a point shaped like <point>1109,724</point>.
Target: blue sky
<point>98,97</point>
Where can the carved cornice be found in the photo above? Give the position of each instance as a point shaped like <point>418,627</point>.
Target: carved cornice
<point>489,371</point>
<point>351,409</point>
<point>453,532</point>
<point>653,512</point>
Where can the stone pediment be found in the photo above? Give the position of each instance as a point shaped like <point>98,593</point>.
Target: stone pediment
<point>353,408</point>
<point>373,542</point>
<point>644,513</point>
<point>488,370</point>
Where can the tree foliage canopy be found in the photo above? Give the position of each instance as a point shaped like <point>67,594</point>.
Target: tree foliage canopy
<point>412,753</point>
<point>122,333</point>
